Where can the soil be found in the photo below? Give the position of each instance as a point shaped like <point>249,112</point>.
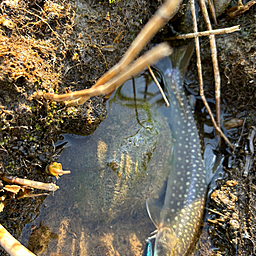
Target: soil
<point>62,47</point>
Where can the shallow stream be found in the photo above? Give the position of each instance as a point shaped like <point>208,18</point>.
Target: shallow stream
<point>100,208</point>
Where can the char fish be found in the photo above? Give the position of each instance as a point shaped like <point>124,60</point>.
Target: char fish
<point>177,213</point>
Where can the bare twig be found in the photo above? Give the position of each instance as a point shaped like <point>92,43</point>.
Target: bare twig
<point>206,33</point>
<point>3,148</point>
<point>162,16</point>
<point>214,211</point>
<point>150,57</point>
<point>11,245</point>
<point>32,195</point>
<point>214,60</point>
<point>212,11</point>
<point>158,85</point>
<point>240,9</point>
<point>200,76</point>
<point>30,183</point>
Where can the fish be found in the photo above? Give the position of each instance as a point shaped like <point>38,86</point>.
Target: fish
<point>177,213</point>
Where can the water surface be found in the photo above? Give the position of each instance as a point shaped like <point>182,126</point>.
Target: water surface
<point>100,207</point>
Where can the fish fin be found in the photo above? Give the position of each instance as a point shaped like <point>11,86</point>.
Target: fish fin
<point>181,57</point>
<point>148,249</point>
<point>154,207</point>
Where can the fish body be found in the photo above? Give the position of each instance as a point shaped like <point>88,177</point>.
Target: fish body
<point>178,213</point>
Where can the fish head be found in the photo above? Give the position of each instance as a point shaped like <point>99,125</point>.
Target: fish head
<point>166,243</point>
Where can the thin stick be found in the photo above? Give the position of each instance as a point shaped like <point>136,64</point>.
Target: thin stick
<point>11,245</point>
<point>214,211</point>
<point>214,60</point>
<point>150,57</point>
<point>240,9</point>
<point>158,85</point>
<point>212,11</point>
<point>200,76</point>
<point>206,33</point>
<point>30,183</point>
<point>161,17</point>
<point>32,195</point>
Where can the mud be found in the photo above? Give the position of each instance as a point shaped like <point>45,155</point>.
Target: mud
<point>53,46</point>
<point>230,219</point>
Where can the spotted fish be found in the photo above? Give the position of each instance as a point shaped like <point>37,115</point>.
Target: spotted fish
<point>177,213</point>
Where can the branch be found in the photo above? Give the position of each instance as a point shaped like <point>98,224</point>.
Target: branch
<point>206,33</point>
<point>161,17</point>
<point>30,183</point>
<point>11,245</point>
<point>149,58</point>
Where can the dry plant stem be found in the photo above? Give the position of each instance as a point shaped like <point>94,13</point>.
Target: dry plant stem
<point>150,57</point>
<point>32,195</point>
<point>214,211</point>
<point>162,16</point>
<point>30,183</point>
<point>240,9</point>
<point>159,86</point>
<point>200,76</point>
<point>11,245</point>
<point>206,33</point>
<point>214,60</point>
<point>212,11</point>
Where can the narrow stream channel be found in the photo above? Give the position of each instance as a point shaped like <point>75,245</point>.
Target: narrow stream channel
<point>100,208</point>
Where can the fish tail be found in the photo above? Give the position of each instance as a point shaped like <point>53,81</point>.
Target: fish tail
<point>181,57</point>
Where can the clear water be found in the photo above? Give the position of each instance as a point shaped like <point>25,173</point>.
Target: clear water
<point>100,207</point>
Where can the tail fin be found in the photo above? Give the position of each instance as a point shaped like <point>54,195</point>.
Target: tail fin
<point>181,57</point>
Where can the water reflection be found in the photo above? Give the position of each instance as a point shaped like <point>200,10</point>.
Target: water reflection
<point>100,207</point>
